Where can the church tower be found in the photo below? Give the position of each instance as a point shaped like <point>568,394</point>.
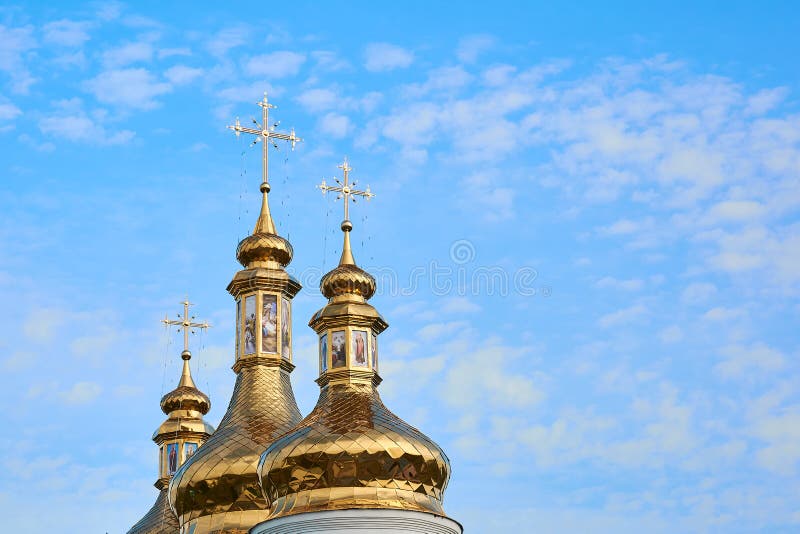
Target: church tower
<point>179,437</point>
<point>352,465</point>
<point>217,491</point>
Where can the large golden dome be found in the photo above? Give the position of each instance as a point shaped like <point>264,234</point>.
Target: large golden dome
<point>351,451</point>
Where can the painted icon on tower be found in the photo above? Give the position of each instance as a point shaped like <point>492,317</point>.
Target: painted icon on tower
<point>269,323</point>
<point>359,348</point>
<point>250,324</point>
<point>323,352</point>
<point>172,458</point>
<point>286,329</point>
<point>374,352</point>
<point>337,349</point>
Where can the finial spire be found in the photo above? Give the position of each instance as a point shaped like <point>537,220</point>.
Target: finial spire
<point>187,325</point>
<point>265,133</point>
<point>346,190</point>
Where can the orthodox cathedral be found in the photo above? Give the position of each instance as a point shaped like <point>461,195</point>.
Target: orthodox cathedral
<point>350,465</point>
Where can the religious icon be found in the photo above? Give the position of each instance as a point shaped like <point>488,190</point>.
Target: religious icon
<point>172,458</point>
<point>286,329</point>
<point>269,323</point>
<point>323,352</point>
<point>338,349</point>
<point>238,325</point>
<point>190,449</point>
<point>359,348</point>
<point>250,324</point>
<point>374,352</point>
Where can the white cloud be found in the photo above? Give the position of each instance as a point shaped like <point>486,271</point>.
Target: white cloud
<point>14,45</point>
<point>671,334</point>
<point>622,317</point>
<point>609,282</point>
<point>488,386</point>
<point>136,88</point>
<point>66,32</point>
<point>742,361</point>
<point>782,433</point>
<point>79,127</point>
<point>172,52</point>
<point>82,393</point>
<point>448,79</point>
<point>698,292</point>
<point>622,227</point>
<point>459,305</point>
<point>181,74</point>
<point>469,48</point>
<point>721,313</point>
<point>765,100</point>
<point>329,61</point>
<point>275,65</point>
<point>380,57</point>
<point>9,112</point>
<point>335,125</point>
<point>494,204</point>
<point>318,99</point>
<point>435,331</point>
<point>140,51</point>
<point>227,39</point>
<point>736,210</point>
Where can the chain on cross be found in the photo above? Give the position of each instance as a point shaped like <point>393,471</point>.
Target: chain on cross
<point>185,323</point>
<point>346,189</point>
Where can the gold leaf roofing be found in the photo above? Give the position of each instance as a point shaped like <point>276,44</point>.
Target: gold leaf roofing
<point>159,519</point>
<point>220,481</point>
<point>352,452</point>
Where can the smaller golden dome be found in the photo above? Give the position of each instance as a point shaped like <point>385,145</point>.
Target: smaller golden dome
<point>186,396</point>
<point>264,247</point>
<point>348,280</point>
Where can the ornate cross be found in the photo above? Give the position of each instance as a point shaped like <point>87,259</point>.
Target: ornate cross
<point>345,189</point>
<point>265,133</point>
<point>185,323</point>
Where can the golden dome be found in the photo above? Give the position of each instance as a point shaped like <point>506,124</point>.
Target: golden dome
<point>264,248</point>
<point>219,485</point>
<point>186,396</point>
<point>351,451</point>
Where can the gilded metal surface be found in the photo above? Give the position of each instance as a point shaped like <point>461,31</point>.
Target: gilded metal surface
<point>352,452</point>
<point>218,488</point>
<point>347,279</point>
<point>264,248</point>
<point>159,519</point>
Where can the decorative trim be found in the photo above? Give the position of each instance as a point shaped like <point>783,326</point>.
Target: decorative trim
<point>361,520</point>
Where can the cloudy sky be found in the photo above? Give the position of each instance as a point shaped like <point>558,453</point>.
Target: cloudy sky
<point>585,233</point>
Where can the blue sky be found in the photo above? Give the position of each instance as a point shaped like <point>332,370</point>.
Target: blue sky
<point>626,176</point>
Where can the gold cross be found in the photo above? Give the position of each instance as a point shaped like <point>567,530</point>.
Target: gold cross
<point>345,189</point>
<point>265,133</point>
<point>185,323</point>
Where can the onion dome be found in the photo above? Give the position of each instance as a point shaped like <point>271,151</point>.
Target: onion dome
<point>178,438</point>
<point>218,491</point>
<point>351,451</point>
